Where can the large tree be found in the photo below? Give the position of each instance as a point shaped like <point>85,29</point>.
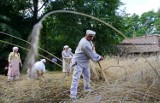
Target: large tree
<point>62,29</point>
<point>17,18</point>
<point>20,15</point>
<point>146,24</point>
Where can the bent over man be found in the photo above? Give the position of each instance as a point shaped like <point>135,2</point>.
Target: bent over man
<point>38,69</point>
<point>80,61</point>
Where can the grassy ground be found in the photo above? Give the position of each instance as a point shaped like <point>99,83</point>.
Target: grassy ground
<point>53,87</point>
<point>131,80</point>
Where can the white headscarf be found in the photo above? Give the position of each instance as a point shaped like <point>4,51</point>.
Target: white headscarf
<point>90,32</point>
<point>15,48</point>
<point>43,60</point>
<point>66,46</point>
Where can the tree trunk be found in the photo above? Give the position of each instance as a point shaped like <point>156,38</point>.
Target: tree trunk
<point>35,11</point>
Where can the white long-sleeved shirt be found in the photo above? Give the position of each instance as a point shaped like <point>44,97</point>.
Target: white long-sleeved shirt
<point>39,65</point>
<point>84,52</point>
<point>66,54</point>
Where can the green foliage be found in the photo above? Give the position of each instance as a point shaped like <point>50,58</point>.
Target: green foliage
<point>13,22</point>
<point>131,25</point>
<point>147,23</point>
<point>18,16</point>
<point>62,29</point>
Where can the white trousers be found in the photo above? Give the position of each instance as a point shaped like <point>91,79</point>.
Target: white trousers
<point>78,70</point>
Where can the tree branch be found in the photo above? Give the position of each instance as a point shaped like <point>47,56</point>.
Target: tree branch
<point>30,7</point>
<point>43,5</point>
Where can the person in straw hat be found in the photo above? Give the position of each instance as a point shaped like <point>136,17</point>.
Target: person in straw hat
<point>80,61</point>
<point>14,61</point>
<point>66,55</point>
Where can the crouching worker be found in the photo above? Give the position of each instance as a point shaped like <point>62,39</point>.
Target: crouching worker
<point>38,69</point>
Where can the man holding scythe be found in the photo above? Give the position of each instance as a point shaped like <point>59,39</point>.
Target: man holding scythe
<point>80,61</point>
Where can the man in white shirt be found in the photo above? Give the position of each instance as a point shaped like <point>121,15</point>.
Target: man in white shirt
<point>38,69</point>
<point>80,61</point>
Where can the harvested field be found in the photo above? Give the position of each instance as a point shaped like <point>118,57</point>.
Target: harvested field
<point>131,80</point>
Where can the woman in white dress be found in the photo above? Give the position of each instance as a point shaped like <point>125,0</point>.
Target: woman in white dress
<point>14,61</point>
<point>66,55</point>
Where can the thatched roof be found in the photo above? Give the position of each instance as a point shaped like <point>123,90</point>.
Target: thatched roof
<point>148,43</point>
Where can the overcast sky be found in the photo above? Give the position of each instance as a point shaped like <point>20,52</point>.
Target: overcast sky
<point>141,6</point>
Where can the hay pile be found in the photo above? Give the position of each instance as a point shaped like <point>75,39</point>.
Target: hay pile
<point>123,93</point>
<point>131,80</point>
